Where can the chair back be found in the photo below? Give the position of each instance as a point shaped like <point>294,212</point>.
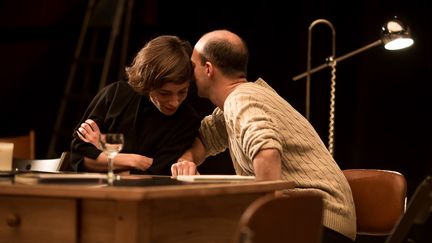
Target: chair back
<point>40,165</point>
<point>379,198</point>
<point>24,145</point>
<point>294,217</point>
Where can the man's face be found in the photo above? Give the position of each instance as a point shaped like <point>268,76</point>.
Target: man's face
<point>169,97</point>
<point>199,73</point>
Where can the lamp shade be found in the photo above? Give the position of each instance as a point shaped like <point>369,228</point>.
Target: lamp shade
<point>395,35</point>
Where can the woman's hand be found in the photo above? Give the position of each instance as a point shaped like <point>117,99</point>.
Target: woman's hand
<point>89,132</point>
<point>139,162</point>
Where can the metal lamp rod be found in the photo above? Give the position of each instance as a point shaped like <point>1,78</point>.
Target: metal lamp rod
<point>341,58</point>
<point>309,57</point>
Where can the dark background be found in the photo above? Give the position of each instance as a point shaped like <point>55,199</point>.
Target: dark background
<point>383,98</point>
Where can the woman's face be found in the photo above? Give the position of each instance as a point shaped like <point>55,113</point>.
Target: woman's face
<point>169,97</point>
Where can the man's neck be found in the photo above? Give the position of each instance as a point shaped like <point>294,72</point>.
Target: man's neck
<point>224,90</point>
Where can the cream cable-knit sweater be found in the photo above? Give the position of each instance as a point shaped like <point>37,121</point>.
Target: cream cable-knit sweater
<point>255,117</point>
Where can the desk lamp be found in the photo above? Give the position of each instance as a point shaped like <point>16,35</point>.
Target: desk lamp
<point>394,35</point>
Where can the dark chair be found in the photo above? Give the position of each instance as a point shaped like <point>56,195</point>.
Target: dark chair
<point>294,217</point>
<point>416,223</point>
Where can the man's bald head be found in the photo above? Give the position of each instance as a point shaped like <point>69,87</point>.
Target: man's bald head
<point>226,50</point>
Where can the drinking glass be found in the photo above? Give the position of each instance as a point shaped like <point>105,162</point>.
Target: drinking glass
<point>111,144</point>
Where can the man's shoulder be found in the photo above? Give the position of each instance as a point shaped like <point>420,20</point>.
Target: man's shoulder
<point>264,84</point>
<point>252,88</point>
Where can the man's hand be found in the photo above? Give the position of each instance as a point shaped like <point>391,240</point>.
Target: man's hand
<point>183,167</point>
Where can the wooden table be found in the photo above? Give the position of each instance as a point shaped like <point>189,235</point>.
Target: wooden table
<point>173,213</point>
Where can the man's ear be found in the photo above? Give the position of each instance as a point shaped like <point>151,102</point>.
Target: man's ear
<point>209,68</point>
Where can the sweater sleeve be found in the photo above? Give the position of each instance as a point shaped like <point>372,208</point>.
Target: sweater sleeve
<point>213,133</point>
<point>252,120</point>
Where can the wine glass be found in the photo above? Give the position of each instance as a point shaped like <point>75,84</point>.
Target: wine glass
<point>111,144</point>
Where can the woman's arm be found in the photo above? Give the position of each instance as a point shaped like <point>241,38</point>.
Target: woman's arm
<point>89,132</point>
<point>123,161</point>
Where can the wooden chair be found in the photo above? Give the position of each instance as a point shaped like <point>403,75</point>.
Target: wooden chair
<point>39,165</point>
<point>24,145</point>
<point>379,198</point>
<point>296,217</point>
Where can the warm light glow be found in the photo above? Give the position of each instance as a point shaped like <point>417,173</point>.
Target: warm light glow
<point>394,26</point>
<point>399,43</point>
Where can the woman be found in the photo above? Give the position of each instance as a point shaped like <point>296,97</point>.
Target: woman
<point>149,109</point>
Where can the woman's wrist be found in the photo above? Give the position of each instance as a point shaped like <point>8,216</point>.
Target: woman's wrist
<point>141,162</point>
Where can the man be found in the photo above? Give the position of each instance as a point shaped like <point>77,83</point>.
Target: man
<point>265,135</point>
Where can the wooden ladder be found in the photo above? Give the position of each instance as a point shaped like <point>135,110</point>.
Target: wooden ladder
<point>104,22</point>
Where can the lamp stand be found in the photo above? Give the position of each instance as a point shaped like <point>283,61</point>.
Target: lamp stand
<point>395,36</point>
<point>309,71</point>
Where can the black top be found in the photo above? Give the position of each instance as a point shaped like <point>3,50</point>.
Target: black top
<point>147,131</point>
